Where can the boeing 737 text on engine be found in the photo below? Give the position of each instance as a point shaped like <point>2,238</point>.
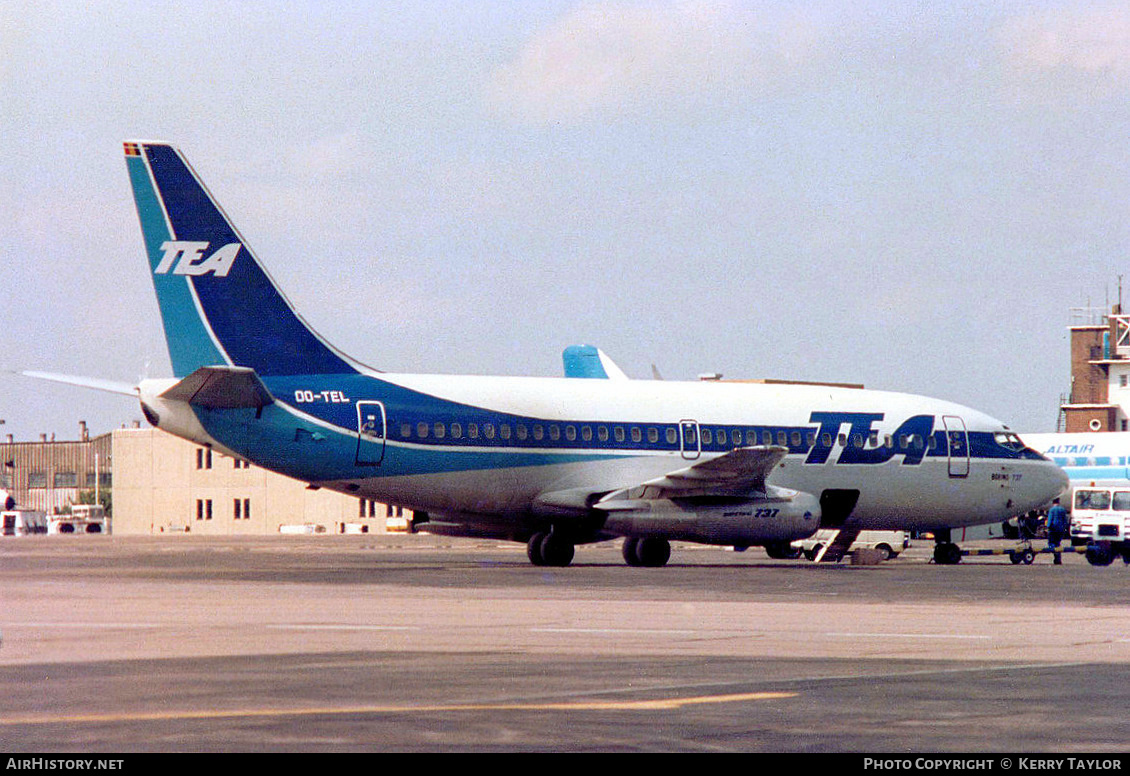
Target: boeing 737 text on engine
<point>552,462</point>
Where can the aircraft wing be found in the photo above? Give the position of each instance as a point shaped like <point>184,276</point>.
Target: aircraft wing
<point>738,472</point>
<point>221,387</point>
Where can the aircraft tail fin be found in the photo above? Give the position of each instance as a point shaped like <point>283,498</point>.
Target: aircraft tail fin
<point>586,361</point>
<point>218,305</point>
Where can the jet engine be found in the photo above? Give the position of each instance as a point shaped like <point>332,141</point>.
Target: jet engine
<point>783,516</point>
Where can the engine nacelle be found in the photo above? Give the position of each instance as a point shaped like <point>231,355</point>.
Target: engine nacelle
<point>783,516</point>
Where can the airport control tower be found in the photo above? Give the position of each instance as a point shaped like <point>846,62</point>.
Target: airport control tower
<point>1100,374</point>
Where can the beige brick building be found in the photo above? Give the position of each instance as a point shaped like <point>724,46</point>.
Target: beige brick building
<point>165,484</point>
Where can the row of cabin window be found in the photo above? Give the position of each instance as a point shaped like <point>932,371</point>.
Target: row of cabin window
<point>710,436</point>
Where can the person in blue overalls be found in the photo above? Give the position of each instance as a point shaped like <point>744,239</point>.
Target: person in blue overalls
<point>1058,523</point>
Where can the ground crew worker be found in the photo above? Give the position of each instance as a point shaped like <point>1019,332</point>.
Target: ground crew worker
<point>1058,523</point>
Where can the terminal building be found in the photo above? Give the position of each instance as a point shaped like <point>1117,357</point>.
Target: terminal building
<point>1100,376</point>
<point>161,484</point>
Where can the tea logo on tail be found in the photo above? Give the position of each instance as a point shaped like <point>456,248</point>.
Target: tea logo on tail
<point>191,262</point>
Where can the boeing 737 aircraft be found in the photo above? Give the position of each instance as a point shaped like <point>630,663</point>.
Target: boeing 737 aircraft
<point>552,462</point>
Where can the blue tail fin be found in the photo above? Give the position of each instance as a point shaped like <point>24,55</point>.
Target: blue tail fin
<point>218,304</point>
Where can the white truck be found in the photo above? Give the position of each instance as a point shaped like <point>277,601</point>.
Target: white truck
<point>83,518</point>
<point>1100,518</point>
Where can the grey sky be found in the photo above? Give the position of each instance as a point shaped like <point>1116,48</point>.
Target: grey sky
<point>908,195</point>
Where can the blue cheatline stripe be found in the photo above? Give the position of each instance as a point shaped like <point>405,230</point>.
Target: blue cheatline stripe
<point>1081,473</point>
<point>190,345</point>
<point>250,318</point>
<point>312,452</point>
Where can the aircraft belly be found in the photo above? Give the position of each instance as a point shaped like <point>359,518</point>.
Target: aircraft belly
<point>512,489</point>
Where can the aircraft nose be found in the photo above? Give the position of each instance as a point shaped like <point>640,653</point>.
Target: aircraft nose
<point>1050,483</point>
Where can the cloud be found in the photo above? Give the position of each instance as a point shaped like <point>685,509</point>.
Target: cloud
<point>615,56</point>
<point>1092,42</point>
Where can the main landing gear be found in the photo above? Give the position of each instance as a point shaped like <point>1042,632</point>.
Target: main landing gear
<point>550,549</point>
<point>647,552</point>
<point>946,553</point>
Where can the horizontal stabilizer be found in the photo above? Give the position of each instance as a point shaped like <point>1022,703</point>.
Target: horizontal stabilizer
<point>110,386</point>
<point>221,387</point>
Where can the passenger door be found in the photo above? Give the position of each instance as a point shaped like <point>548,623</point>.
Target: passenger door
<point>371,423</point>
<point>957,439</point>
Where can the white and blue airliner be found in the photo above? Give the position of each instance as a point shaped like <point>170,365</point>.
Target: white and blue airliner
<point>551,462</point>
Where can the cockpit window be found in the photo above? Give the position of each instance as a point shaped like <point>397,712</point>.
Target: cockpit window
<point>1009,440</point>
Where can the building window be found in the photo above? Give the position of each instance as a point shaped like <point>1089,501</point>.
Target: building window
<point>238,464</point>
<point>241,509</point>
<point>1122,379</point>
<point>203,458</point>
<point>66,480</point>
<point>37,479</point>
<point>203,509</point>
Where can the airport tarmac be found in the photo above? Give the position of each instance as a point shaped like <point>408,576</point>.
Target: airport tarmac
<point>417,643</point>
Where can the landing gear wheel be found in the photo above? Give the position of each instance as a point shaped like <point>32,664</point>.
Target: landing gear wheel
<point>947,554</point>
<point>549,549</point>
<point>533,549</point>
<point>1100,554</point>
<point>782,551</point>
<point>629,550</point>
<point>557,551</point>
<point>648,552</point>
